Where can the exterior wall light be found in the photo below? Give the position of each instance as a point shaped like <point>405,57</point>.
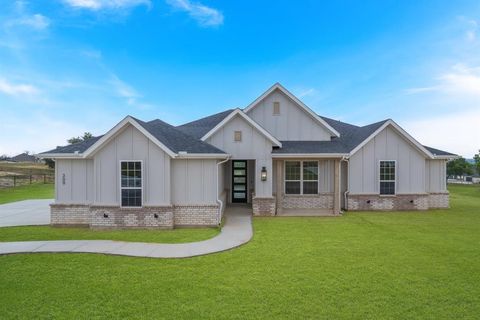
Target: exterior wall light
<point>263,174</point>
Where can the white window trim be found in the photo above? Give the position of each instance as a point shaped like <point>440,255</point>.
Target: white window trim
<point>301,178</point>
<point>120,183</point>
<point>380,181</point>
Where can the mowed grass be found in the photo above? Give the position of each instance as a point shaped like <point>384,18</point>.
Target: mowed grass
<point>31,191</point>
<point>405,265</point>
<point>33,233</point>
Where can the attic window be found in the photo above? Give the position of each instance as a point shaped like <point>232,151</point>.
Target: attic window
<point>237,136</point>
<point>276,108</point>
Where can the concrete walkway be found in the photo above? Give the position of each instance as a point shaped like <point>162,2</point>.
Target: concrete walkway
<point>25,213</point>
<point>236,231</point>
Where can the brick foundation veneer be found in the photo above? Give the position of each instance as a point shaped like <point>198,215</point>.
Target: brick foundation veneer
<point>197,215</point>
<point>388,203</point>
<point>116,217</point>
<point>313,201</point>
<point>145,217</point>
<point>263,206</point>
<point>439,200</point>
<point>69,214</point>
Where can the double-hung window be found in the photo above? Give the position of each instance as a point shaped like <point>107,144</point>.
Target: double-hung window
<point>131,183</point>
<point>387,177</point>
<point>301,177</point>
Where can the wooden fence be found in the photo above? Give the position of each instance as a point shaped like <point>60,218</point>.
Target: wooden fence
<point>9,181</point>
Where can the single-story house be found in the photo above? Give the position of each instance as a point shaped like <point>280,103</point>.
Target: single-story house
<point>276,155</point>
<point>25,157</point>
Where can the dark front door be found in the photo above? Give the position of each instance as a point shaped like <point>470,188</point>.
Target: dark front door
<point>239,181</point>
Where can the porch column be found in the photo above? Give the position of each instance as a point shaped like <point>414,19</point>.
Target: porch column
<point>279,186</point>
<point>336,186</point>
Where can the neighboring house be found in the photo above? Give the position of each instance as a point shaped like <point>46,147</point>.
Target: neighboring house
<point>25,157</point>
<point>276,154</point>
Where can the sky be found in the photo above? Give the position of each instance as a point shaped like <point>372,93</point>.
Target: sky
<point>71,66</point>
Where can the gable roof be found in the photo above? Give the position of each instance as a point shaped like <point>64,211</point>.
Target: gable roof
<point>24,157</point>
<point>176,140</point>
<point>402,132</point>
<point>240,113</point>
<point>278,86</point>
<point>164,135</point>
<point>350,137</point>
<point>200,127</point>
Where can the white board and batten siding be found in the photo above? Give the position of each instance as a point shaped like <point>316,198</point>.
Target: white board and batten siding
<point>291,124</point>
<point>131,144</point>
<point>73,181</point>
<point>194,182</point>
<point>387,145</point>
<point>436,180</point>
<point>254,146</point>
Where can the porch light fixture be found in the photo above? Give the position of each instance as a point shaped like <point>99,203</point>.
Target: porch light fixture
<point>263,174</point>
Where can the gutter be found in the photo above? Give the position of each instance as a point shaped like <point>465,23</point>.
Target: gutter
<point>347,191</point>
<point>219,201</point>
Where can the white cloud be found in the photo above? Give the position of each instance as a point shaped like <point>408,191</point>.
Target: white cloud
<point>96,5</point>
<point>460,80</point>
<point>455,132</point>
<point>35,21</point>
<point>472,30</point>
<point>307,92</point>
<point>204,15</point>
<point>11,89</point>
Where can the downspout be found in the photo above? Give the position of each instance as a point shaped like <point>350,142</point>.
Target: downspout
<point>345,194</point>
<point>219,201</point>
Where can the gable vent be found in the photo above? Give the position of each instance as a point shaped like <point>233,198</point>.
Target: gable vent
<point>276,108</point>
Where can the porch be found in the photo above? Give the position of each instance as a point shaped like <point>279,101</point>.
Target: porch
<point>295,187</point>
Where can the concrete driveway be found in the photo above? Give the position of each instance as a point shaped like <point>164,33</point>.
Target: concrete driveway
<point>25,213</point>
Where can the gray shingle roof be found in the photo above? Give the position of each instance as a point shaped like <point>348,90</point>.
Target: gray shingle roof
<point>200,127</point>
<point>175,139</point>
<point>350,137</point>
<point>437,152</point>
<point>79,146</point>
<point>186,137</point>
<point>167,134</point>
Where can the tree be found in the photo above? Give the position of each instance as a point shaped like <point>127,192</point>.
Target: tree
<point>476,158</point>
<point>86,136</point>
<point>459,167</point>
<point>50,163</point>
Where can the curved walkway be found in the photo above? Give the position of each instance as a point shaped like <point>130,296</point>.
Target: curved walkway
<point>236,231</point>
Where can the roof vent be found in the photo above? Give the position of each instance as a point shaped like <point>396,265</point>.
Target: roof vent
<point>182,152</point>
<point>76,152</point>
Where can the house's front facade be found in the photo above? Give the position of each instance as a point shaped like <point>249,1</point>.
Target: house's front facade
<point>276,154</point>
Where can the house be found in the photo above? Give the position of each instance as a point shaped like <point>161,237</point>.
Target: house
<point>275,154</point>
<point>25,157</point>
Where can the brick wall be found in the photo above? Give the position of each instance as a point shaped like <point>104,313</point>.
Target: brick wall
<point>387,203</point>
<point>314,201</point>
<point>263,206</point>
<point>146,217</point>
<point>69,214</point>
<point>439,200</point>
<point>197,215</point>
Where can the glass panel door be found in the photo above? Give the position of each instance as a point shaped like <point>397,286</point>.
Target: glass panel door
<point>239,181</point>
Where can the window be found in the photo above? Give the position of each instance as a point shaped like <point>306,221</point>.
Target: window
<point>131,183</point>
<point>238,136</point>
<point>387,177</point>
<point>276,108</point>
<point>301,177</point>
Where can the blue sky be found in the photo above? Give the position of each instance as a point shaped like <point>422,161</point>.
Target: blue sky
<point>69,66</point>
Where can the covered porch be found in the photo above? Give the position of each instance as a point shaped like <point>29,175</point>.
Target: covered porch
<point>308,186</point>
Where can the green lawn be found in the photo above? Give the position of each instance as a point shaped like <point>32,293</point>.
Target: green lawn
<point>31,191</point>
<point>32,233</point>
<point>363,265</point>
